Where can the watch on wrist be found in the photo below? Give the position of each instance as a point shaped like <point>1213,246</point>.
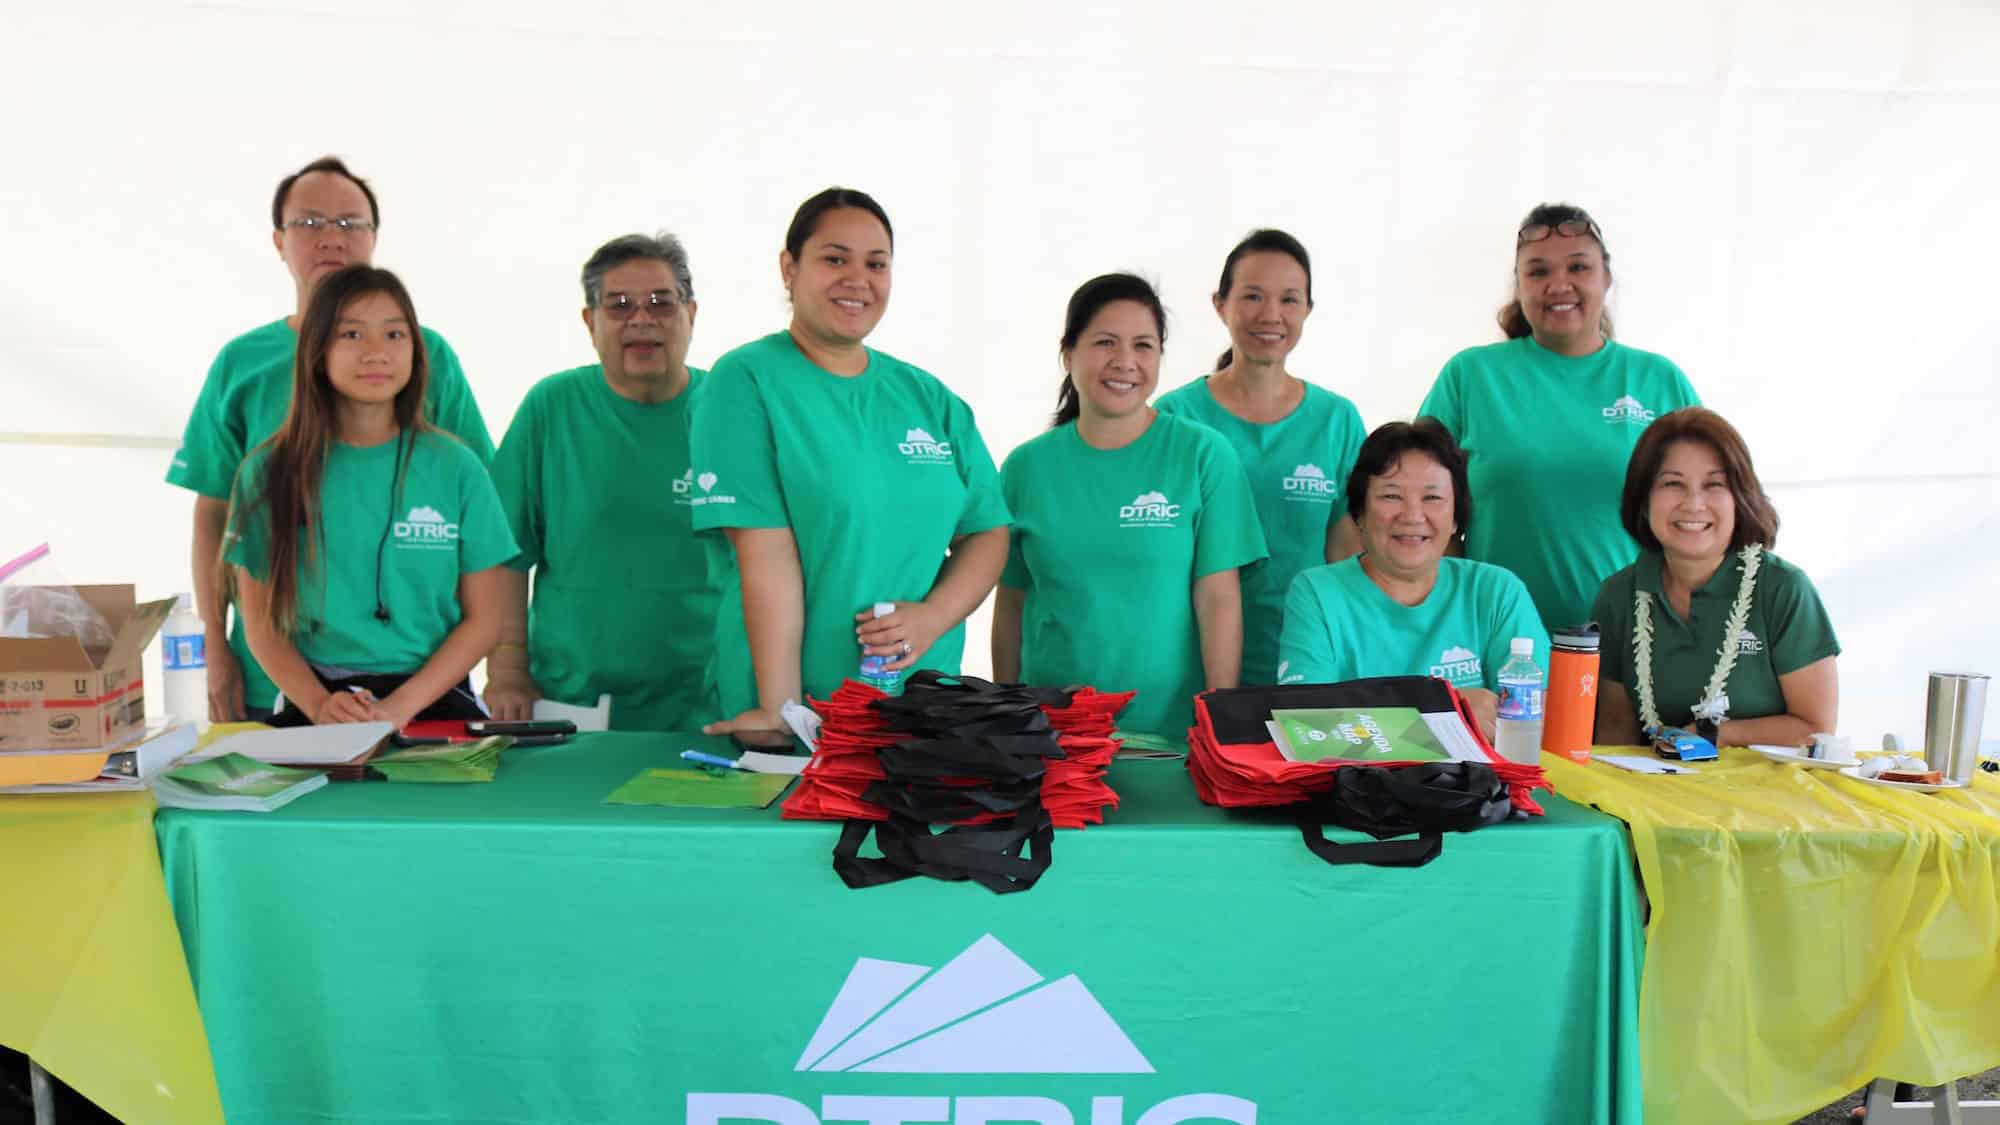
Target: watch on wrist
<point>1709,729</point>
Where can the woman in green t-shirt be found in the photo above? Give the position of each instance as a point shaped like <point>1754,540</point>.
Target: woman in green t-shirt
<point>842,478</point>
<point>1297,440</point>
<point>367,544</point>
<point>1549,417</point>
<point>1401,607</point>
<point>1129,528</point>
<point>1709,629</point>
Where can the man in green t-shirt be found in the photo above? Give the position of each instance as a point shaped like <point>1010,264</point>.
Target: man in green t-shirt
<point>595,477</point>
<point>323,217</point>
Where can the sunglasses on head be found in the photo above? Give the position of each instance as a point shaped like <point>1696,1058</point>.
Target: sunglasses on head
<point>1568,228</point>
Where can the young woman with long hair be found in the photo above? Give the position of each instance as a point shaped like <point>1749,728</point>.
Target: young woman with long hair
<point>367,544</point>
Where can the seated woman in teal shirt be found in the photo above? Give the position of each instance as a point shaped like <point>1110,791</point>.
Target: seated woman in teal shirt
<point>1401,607</point>
<point>1129,528</point>
<point>368,545</point>
<point>1709,629</point>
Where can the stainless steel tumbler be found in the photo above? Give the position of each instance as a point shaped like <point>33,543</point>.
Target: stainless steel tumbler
<point>1954,715</point>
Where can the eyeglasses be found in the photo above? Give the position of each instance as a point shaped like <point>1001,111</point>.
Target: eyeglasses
<point>661,303</point>
<point>313,224</point>
<point>1568,228</point>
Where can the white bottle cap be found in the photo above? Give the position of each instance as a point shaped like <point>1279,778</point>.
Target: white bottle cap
<point>884,609</point>
<point>1521,646</point>
<point>183,601</point>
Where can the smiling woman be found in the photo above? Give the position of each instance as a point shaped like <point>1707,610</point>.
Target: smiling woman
<point>1709,628</point>
<point>1401,608</point>
<point>842,477</point>
<point>1548,418</point>
<point>1130,527</point>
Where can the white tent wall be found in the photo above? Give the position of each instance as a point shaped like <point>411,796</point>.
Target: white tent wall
<point>1798,199</point>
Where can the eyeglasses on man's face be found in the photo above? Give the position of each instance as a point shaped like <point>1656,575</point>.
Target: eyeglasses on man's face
<point>346,225</point>
<point>660,303</point>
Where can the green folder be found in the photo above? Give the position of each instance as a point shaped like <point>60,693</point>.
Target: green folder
<point>702,789</point>
<point>1362,734</point>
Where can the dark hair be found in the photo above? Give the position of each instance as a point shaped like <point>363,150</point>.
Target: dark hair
<point>1385,448</point>
<point>1756,519</point>
<point>289,495</point>
<point>1085,303</point>
<point>323,164</point>
<point>806,219</point>
<point>1514,321</point>
<point>1264,240</point>
<point>662,247</point>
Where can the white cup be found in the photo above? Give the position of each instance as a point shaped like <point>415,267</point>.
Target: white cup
<point>1832,748</point>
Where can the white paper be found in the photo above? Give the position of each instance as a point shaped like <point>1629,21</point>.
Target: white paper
<point>327,744</point>
<point>804,722</point>
<point>756,761</point>
<point>1638,764</point>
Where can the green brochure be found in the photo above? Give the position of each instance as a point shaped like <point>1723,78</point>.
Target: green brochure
<point>460,761</point>
<point>1362,734</point>
<point>233,781</point>
<point>702,789</point>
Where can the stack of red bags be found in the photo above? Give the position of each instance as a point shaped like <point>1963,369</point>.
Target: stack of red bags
<point>834,784</point>
<point>1235,764</point>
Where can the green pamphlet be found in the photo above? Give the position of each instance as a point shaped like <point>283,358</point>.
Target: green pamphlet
<point>460,761</point>
<point>1362,734</point>
<point>234,781</point>
<point>701,789</point>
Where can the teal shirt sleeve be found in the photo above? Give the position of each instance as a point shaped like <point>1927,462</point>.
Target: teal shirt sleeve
<point>1305,644</point>
<point>517,477</point>
<point>1443,402</point>
<point>484,540</point>
<point>213,443</point>
<point>985,505</point>
<point>453,409</point>
<point>1802,634</point>
<point>1227,532</point>
<point>1015,576</point>
<point>732,450</point>
<point>1510,613</point>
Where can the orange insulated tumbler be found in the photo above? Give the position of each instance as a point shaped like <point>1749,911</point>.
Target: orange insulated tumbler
<point>1571,711</point>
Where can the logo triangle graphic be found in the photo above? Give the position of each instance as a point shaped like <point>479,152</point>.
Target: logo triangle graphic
<point>984,1012</point>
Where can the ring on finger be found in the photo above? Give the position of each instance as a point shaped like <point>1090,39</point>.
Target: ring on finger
<point>906,648</point>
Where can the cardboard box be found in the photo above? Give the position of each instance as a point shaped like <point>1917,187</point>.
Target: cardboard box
<point>57,695</point>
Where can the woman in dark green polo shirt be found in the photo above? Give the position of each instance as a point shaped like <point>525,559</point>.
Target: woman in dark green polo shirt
<point>1709,629</point>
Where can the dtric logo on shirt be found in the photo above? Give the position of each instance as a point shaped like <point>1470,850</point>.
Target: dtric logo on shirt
<point>1308,482</point>
<point>923,449</point>
<point>684,488</point>
<point>1457,663</point>
<point>1746,641</point>
<point>426,528</point>
<point>1627,409</point>
<point>707,483</point>
<point>1149,509</point>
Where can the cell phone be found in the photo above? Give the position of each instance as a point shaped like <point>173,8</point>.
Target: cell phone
<point>480,728</point>
<point>408,740</point>
<point>768,741</point>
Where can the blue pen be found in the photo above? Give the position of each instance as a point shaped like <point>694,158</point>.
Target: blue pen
<point>701,759</point>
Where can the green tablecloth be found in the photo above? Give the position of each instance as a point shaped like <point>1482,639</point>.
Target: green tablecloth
<point>522,952</point>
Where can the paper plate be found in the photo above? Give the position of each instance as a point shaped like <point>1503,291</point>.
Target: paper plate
<point>1792,756</point>
<point>1913,786</point>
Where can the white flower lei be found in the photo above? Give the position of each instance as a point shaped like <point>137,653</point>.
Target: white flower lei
<point>1714,703</point>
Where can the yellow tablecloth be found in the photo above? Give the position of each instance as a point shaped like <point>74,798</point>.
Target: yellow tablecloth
<point>1809,932</point>
<point>93,983</point>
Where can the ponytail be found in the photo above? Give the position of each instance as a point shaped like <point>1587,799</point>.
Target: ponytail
<point>1068,405</point>
<point>1227,357</point>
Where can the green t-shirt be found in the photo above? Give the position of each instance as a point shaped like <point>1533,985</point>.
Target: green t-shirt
<point>1298,469</point>
<point>1547,438</point>
<point>875,475</point>
<point>445,521</point>
<point>244,401</point>
<point>599,494</point>
<point>1107,544</point>
<point>1339,626</point>
<point>1787,629</point>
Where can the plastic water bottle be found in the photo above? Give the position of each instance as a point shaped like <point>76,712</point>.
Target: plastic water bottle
<point>184,663</point>
<point>875,669</point>
<point>1519,729</point>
